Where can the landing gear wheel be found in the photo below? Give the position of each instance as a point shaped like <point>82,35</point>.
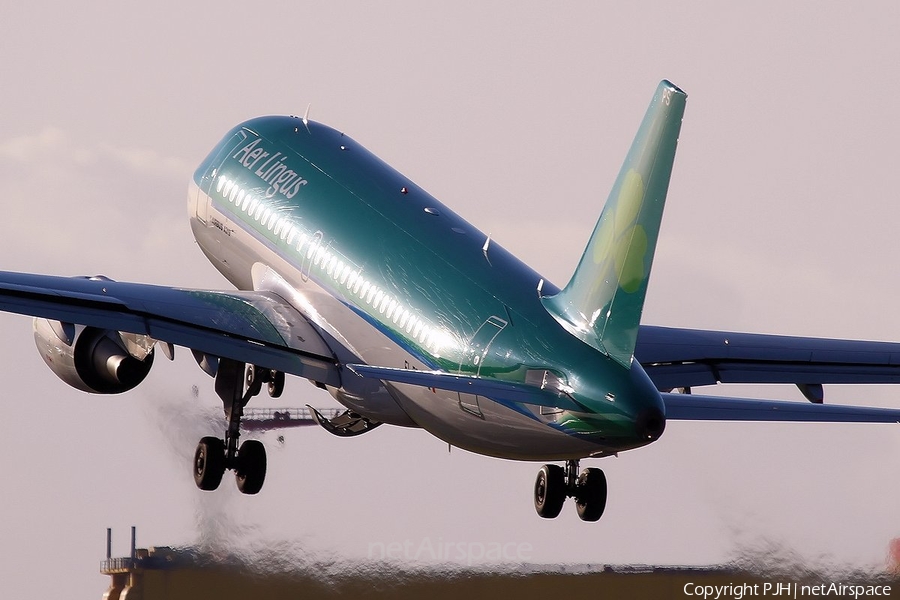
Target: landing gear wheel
<point>250,473</point>
<point>590,494</point>
<point>550,491</point>
<point>209,463</point>
<point>255,377</point>
<point>276,384</point>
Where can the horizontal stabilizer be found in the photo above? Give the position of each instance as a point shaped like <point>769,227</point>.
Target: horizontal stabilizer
<point>494,389</point>
<point>693,407</point>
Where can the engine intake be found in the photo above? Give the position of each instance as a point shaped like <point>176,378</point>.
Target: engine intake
<point>91,359</point>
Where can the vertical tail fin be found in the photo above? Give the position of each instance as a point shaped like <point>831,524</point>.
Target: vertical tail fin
<point>602,303</point>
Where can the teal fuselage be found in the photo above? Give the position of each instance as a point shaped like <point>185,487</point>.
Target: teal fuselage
<point>392,277</point>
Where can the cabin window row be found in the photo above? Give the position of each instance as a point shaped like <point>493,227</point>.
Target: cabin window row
<point>342,273</point>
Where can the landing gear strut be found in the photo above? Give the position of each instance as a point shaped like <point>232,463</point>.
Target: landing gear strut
<point>214,455</point>
<point>554,484</point>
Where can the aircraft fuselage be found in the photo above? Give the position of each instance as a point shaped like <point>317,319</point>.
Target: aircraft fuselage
<point>391,277</point>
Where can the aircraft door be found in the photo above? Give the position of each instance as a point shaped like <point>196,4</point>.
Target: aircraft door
<point>474,356</point>
<point>209,178</point>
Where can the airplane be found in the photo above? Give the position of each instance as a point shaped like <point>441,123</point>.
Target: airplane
<point>349,275</point>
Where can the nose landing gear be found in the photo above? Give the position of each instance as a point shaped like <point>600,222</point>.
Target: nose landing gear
<point>554,484</point>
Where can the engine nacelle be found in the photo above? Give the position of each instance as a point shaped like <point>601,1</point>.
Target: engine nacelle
<point>94,360</point>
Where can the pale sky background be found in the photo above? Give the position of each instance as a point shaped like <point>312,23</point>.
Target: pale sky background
<point>782,217</point>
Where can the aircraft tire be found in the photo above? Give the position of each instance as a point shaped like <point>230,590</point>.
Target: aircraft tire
<point>276,384</point>
<point>251,470</point>
<point>254,379</point>
<point>550,491</point>
<point>590,496</point>
<point>209,463</point>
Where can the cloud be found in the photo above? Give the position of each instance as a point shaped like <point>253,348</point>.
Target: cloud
<point>27,148</point>
<point>77,205</point>
<point>52,146</point>
<point>146,160</point>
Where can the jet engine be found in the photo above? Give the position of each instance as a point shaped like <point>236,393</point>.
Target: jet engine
<point>94,360</point>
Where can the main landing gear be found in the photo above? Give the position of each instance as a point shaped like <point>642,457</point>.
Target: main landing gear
<point>214,455</point>
<point>554,484</point>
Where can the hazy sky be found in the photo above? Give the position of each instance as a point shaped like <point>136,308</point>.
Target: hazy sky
<point>782,217</point>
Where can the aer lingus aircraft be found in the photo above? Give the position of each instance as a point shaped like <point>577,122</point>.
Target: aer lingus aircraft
<point>351,276</point>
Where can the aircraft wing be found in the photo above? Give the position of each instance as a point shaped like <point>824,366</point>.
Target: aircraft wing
<point>684,358</point>
<point>253,327</point>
